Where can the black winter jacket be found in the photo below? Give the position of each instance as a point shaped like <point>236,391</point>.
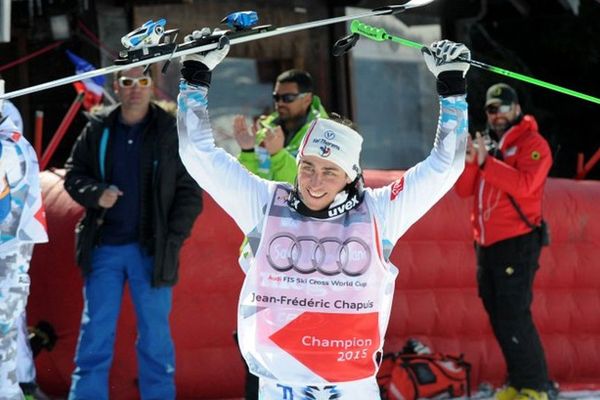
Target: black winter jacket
<point>171,199</point>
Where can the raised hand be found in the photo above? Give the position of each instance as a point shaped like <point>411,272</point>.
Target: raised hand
<point>443,56</point>
<point>481,148</point>
<point>471,152</point>
<point>274,140</point>
<point>442,59</point>
<point>210,58</point>
<point>244,136</point>
<point>197,67</point>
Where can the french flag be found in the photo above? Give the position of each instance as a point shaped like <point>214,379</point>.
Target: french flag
<point>93,87</point>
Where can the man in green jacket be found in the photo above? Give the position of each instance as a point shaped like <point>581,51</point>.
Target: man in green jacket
<point>269,148</point>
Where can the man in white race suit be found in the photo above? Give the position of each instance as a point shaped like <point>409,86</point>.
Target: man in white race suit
<point>316,299</point>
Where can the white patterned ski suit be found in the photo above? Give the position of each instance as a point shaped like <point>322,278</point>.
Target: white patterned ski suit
<point>22,223</point>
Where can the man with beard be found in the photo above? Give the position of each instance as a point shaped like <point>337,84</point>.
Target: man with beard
<point>269,149</point>
<point>506,169</point>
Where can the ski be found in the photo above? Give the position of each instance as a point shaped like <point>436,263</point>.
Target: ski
<point>141,54</point>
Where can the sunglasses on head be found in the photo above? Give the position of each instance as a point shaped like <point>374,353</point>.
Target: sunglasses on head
<point>493,109</point>
<point>143,81</point>
<point>287,97</point>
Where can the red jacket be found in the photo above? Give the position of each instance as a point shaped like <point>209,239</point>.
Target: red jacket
<point>522,174</point>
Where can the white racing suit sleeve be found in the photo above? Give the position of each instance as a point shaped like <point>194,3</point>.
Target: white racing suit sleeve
<point>240,193</point>
<point>25,221</point>
<point>401,203</point>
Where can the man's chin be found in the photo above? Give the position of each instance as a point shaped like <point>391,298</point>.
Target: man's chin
<point>138,103</point>
<point>500,128</point>
<point>315,207</point>
<point>313,204</point>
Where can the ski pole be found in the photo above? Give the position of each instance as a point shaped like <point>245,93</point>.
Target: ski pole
<point>387,10</point>
<point>380,35</point>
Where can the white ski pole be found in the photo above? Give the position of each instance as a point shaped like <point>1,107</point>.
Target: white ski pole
<point>387,10</point>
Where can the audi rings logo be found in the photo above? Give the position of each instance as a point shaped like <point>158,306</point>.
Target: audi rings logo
<point>329,255</point>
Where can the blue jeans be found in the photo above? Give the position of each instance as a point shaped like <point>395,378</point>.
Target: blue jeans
<point>102,293</point>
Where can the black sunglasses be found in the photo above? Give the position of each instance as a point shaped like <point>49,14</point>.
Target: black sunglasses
<point>287,97</point>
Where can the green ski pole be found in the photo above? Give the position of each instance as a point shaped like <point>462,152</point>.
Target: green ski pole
<point>380,35</point>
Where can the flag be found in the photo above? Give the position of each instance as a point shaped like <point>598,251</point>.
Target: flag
<point>92,87</point>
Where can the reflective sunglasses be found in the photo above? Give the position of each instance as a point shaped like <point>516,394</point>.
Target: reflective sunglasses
<point>143,81</point>
<point>491,109</point>
<point>287,97</point>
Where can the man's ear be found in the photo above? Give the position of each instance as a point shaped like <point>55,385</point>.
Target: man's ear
<point>308,100</point>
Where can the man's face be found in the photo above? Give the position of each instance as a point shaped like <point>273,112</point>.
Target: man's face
<point>297,107</point>
<point>134,89</point>
<point>319,181</point>
<point>500,116</point>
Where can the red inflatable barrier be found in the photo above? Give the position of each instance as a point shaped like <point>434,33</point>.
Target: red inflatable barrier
<point>435,301</point>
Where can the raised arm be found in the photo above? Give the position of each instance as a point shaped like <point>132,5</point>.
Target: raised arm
<point>403,202</point>
<point>241,194</point>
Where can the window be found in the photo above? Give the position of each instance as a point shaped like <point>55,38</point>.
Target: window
<point>394,96</point>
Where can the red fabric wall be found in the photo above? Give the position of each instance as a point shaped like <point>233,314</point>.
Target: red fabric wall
<point>435,301</point>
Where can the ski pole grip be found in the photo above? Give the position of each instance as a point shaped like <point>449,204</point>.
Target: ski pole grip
<point>377,34</point>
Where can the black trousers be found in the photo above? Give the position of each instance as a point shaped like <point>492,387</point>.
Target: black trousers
<point>251,382</point>
<point>505,274</point>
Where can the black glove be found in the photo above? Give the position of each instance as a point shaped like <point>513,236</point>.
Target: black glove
<point>42,336</point>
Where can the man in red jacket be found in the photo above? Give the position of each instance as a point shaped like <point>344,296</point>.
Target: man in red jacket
<point>506,169</point>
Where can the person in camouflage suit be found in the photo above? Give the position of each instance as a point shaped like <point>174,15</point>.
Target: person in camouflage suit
<point>22,224</point>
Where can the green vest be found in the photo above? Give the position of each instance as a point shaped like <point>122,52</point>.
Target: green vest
<point>281,166</point>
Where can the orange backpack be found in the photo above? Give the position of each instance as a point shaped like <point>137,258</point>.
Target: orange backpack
<point>423,376</point>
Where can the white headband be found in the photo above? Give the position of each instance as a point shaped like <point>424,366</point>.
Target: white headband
<point>334,142</point>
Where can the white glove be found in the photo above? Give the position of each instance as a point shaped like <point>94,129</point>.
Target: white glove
<point>443,56</point>
<point>197,34</point>
<point>210,58</point>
